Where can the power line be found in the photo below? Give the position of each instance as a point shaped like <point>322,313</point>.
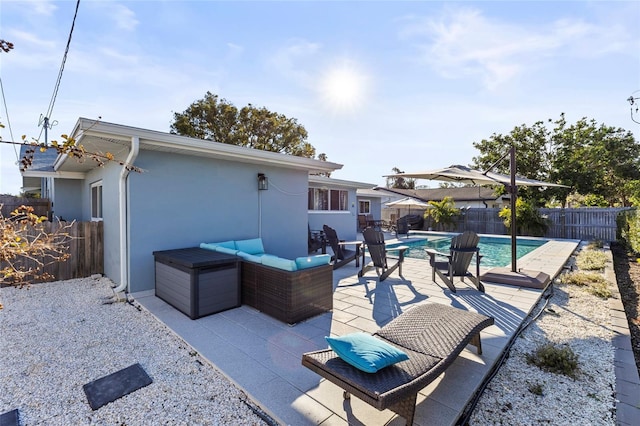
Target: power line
<point>45,120</point>
<point>4,101</point>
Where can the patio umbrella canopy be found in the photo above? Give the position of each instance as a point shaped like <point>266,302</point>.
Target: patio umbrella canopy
<point>463,174</point>
<point>408,202</point>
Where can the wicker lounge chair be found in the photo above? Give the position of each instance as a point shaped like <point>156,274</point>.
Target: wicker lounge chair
<point>341,255</point>
<point>374,241</point>
<point>463,247</point>
<point>432,335</point>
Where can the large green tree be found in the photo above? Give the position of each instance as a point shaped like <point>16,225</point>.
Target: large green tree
<point>532,157</point>
<point>590,159</point>
<point>216,119</point>
<point>595,159</point>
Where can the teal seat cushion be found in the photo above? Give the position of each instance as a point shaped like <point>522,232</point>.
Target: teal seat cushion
<point>311,261</point>
<point>252,246</point>
<point>279,262</point>
<point>208,246</point>
<point>365,352</point>
<point>249,257</point>
<point>227,244</point>
<point>225,250</point>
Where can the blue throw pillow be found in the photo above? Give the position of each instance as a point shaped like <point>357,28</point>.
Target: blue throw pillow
<point>208,246</point>
<point>311,261</point>
<point>253,246</point>
<point>366,352</point>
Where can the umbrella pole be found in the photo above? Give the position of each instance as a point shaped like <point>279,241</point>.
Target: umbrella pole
<point>513,190</point>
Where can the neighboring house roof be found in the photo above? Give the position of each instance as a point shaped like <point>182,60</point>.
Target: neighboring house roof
<point>41,165</point>
<point>370,193</point>
<point>101,137</point>
<point>42,161</point>
<point>465,193</point>
<point>323,180</point>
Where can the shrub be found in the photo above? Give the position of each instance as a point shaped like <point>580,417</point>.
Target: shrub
<point>558,360</point>
<point>628,229</point>
<point>529,221</point>
<point>582,278</point>
<point>600,289</point>
<point>591,260</point>
<point>536,389</point>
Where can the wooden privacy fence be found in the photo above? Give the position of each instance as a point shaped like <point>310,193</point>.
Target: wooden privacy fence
<point>585,223</point>
<point>86,248</point>
<point>41,206</point>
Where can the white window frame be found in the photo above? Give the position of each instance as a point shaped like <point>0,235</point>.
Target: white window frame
<point>96,203</point>
<point>322,199</point>
<point>363,203</point>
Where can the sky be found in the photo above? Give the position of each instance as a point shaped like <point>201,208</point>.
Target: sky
<point>377,85</point>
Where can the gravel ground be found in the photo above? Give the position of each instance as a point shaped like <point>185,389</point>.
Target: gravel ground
<point>523,394</point>
<point>56,337</point>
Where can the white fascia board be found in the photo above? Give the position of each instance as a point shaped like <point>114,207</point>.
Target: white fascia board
<point>323,180</point>
<point>62,175</point>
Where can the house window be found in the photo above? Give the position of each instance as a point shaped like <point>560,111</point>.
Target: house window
<point>328,199</point>
<point>364,207</point>
<point>96,201</point>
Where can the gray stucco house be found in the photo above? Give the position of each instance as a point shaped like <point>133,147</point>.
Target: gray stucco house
<point>191,191</point>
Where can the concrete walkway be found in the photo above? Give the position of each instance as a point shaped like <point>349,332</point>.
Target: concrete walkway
<point>263,356</point>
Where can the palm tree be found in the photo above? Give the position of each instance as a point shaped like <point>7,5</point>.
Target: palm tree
<point>442,213</point>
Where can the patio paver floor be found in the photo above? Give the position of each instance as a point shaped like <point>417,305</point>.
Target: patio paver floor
<point>263,356</point>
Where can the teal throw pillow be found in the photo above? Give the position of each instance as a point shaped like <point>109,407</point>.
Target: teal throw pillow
<point>253,246</point>
<point>365,352</point>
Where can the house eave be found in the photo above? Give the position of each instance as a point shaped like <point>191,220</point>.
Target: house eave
<point>56,174</point>
<point>323,180</point>
<point>106,135</point>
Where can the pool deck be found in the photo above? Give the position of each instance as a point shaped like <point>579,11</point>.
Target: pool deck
<point>263,356</point>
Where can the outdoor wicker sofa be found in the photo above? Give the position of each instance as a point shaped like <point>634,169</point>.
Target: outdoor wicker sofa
<point>289,296</point>
<point>287,290</point>
<point>432,335</point>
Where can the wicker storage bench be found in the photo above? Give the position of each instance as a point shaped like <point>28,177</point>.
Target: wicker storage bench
<point>432,335</point>
<point>289,296</point>
<point>197,282</point>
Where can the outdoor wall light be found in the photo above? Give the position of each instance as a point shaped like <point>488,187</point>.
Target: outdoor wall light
<point>263,182</point>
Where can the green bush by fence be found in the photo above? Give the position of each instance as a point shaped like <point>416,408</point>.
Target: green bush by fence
<point>629,229</point>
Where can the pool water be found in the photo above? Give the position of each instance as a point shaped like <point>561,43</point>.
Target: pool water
<point>495,251</point>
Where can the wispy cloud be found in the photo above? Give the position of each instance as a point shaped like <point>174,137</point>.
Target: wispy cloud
<point>43,7</point>
<point>464,42</point>
<point>122,17</point>
<point>292,60</point>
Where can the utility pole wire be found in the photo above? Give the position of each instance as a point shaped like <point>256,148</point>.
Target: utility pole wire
<point>45,121</point>
<point>4,101</point>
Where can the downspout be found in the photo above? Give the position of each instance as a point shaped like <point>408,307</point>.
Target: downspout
<point>123,215</point>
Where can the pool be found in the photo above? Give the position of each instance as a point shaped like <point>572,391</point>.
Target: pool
<point>495,251</point>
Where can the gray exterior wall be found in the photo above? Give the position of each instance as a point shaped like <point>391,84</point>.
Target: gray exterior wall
<point>181,201</point>
<point>344,222</point>
<point>67,201</point>
<point>110,175</point>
